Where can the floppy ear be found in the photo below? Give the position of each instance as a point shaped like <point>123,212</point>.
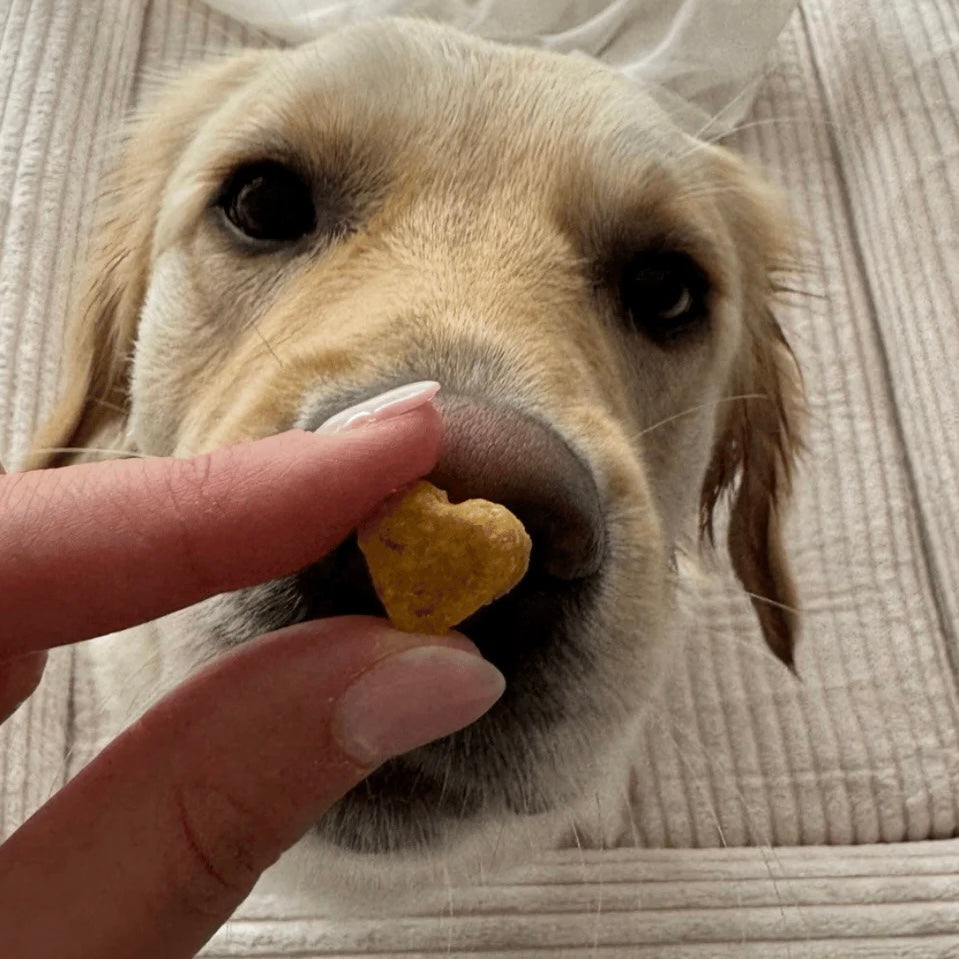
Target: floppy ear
<point>100,334</point>
<point>759,428</point>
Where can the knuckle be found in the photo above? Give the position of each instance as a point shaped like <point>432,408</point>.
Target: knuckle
<point>190,490</point>
<point>193,472</point>
<point>220,850</point>
<point>19,679</point>
<point>24,497</point>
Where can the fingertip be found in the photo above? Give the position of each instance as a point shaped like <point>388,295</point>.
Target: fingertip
<point>412,698</point>
<point>384,406</point>
<point>19,679</point>
<point>420,428</point>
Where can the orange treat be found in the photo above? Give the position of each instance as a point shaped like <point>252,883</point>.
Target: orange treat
<point>434,563</point>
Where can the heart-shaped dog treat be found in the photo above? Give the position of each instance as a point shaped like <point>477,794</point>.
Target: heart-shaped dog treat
<point>434,562</point>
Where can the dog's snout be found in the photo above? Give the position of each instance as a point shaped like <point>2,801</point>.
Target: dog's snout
<point>500,453</point>
<point>504,455</point>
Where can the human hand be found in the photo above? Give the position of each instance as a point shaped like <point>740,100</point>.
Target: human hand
<point>153,845</point>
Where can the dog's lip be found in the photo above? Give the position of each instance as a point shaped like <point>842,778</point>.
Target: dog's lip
<point>424,795</point>
<point>402,806</point>
<point>427,795</point>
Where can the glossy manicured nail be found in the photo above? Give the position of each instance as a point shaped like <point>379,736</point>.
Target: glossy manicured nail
<point>382,407</point>
<point>412,698</point>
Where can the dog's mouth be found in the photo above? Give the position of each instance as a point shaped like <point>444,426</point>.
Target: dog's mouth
<point>516,632</point>
<point>499,454</point>
<point>499,763</point>
<point>535,635</point>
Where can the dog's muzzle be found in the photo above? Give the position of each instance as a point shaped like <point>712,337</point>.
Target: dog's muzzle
<point>506,456</point>
<point>536,635</point>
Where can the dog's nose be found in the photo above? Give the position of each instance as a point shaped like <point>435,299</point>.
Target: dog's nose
<point>501,454</point>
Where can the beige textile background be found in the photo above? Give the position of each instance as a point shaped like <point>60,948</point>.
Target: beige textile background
<point>857,119</point>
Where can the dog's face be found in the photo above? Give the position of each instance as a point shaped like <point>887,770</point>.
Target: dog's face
<point>292,232</point>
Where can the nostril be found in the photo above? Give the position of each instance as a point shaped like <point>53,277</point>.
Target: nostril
<point>504,455</point>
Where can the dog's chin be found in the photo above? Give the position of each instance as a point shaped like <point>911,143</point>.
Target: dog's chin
<point>432,798</point>
<point>509,762</point>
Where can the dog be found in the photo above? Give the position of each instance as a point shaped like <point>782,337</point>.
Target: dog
<point>291,231</point>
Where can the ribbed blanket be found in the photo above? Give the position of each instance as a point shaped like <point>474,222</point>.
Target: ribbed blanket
<point>770,817</point>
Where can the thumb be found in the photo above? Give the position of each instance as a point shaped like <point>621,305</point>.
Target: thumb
<point>151,848</point>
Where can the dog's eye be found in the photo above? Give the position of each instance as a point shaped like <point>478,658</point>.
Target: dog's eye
<point>268,201</point>
<point>663,293</point>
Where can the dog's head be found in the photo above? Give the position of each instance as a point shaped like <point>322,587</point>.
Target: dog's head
<point>293,231</point>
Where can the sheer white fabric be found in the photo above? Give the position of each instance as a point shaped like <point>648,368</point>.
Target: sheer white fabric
<point>705,55</point>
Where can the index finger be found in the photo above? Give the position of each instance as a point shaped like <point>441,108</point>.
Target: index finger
<point>92,549</point>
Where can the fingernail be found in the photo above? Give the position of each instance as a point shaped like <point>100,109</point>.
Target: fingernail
<point>412,698</point>
<point>382,407</point>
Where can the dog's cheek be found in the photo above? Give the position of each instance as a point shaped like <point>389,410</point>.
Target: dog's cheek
<point>633,609</point>
<point>676,453</point>
<point>177,340</point>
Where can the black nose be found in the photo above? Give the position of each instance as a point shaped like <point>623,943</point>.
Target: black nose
<point>506,456</point>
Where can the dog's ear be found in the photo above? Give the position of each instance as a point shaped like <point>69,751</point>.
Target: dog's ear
<point>760,422</point>
<point>99,336</point>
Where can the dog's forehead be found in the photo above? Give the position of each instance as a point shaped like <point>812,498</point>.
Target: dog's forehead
<point>396,87</point>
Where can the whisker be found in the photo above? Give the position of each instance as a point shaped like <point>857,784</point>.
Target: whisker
<point>700,407</point>
<point>266,343</point>
<point>670,726</point>
<point>631,815</point>
<point>764,844</point>
<point>773,602</point>
<point>796,291</point>
<point>746,91</point>
<point>598,916</point>
<point>450,907</point>
<point>769,121</point>
<point>571,820</point>
<point>703,140</point>
<point>100,401</point>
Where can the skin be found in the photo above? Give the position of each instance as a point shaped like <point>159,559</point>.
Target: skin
<point>234,765</point>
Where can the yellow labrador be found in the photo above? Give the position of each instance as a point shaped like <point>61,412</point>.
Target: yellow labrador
<point>290,232</point>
